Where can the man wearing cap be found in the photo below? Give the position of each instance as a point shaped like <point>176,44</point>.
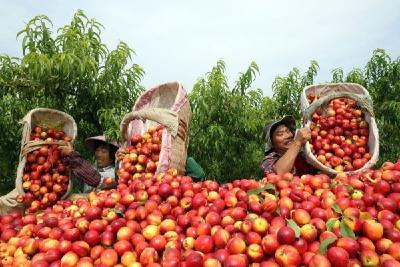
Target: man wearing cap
<point>283,148</point>
<point>93,177</point>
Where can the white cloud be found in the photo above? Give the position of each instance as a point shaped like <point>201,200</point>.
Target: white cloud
<point>182,40</point>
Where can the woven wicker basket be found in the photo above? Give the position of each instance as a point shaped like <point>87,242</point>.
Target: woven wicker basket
<point>46,118</point>
<point>324,94</point>
<point>166,105</point>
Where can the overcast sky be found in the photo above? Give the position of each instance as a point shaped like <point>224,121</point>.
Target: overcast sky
<point>182,40</point>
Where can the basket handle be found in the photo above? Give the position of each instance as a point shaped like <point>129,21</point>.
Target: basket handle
<point>33,145</point>
<point>165,117</point>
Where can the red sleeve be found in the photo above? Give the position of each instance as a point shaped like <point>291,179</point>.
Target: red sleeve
<point>83,169</point>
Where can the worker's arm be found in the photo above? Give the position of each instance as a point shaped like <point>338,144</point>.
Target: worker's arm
<point>80,167</point>
<point>286,162</point>
<point>193,169</point>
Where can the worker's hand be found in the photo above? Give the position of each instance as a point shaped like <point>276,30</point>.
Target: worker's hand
<point>66,149</point>
<point>303,135</point>
<point>121,152</point>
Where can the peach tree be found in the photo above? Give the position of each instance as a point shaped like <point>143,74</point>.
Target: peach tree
<point>225,133</point>
<point>68,69</point>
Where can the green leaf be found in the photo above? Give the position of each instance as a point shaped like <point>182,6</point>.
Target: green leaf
<point>118,212</point>
<point>292,224</point>
<point>325,244</point>
<point>255,191</point>
<point>336,208</point>
<point>345,230</point>
<point>263,188</point>
<point>352,218</point>
<point>349,188</point>
<point>331,223</point>
<point>269,187</point>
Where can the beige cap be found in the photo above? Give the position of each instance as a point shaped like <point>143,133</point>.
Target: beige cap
<point>93,142</point>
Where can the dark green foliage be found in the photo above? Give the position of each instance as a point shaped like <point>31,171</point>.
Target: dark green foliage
<point>287,91</point>
<point>70,70</point>
<point>225,134</point>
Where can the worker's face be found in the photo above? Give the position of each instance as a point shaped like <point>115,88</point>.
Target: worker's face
<point>282,138</point>
<point>102,155</point>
